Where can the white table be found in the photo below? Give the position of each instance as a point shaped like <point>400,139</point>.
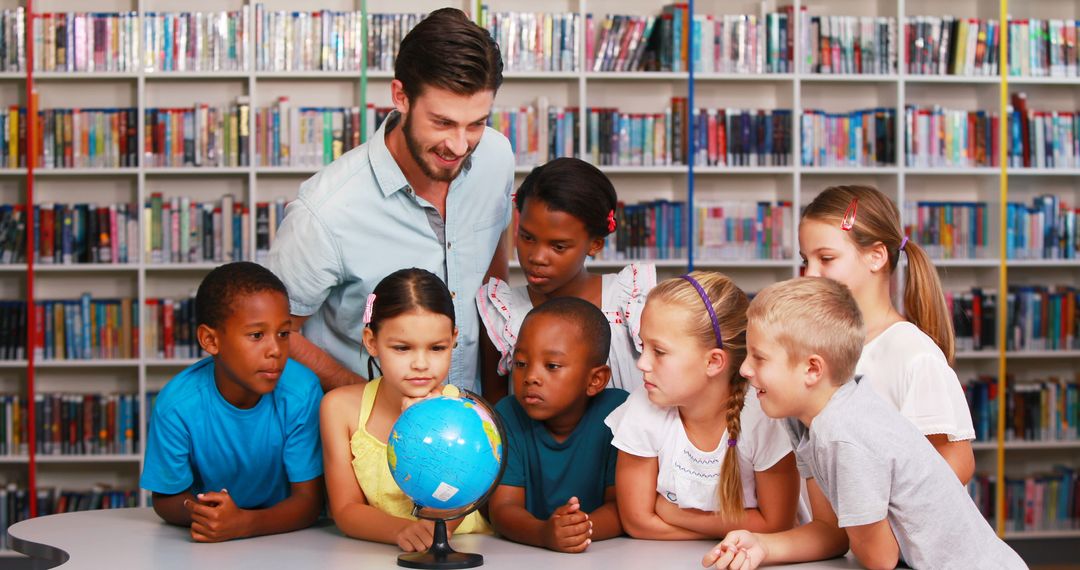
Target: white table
<point>137,539</point>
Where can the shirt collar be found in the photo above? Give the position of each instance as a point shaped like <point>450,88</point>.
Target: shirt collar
<point>386,169</point>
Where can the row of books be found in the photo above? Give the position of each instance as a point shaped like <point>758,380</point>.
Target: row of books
<point>949,230</point>
<point>1045,502</point>
<point>12,330</point>
<point>866,137</point>
<point>535,41</point>
<point>84,424</point>
<point>1044,229</point>
<point>637,139</point>
<point>385,32</point>
<point>87,138</point>
<point>849,44</point>
<point>15,502</point>
<point>973,312</point>
<point>1042,318</point>
<point>85,329</point>
<point>183,230</point>
<point>730,230</point>
<point>648,230</point>
<point>286,135</point>
<point>950,138</point>
<point>197,41</point>
<point>947,45</point>
<point>1042,139</point>
<point>85,233</point>
<point>640,43</point>
<point>12,233</point>
<point>1043,48</point>
<point>13,39</point>
<point>170,328</point>
<point>322,40</point>
<point>743,137</point>
<point>745,43</point>
<point>86,41</point>
<point>200,135</point>
<point>1040,410</point>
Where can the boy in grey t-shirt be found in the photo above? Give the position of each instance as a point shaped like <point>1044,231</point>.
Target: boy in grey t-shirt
<point>875,482</point>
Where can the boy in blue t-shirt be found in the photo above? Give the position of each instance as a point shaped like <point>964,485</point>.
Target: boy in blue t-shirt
<point>558,490</point>
<point>234,446</point>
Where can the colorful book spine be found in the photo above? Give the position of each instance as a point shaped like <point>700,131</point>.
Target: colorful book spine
<point>1044,229</point>
<point>746,43</point>
<point>974,314</point>
<point>13,233</point>
<point>198,136</point>
<point>535,41</point>
<point>385,32</point>
<point>182,230</point>
<point>949,230</point>
<point>14,507</point>
<point>13,41</point>
<point>83,42</point>
<point>952,46</point>
<point>648,231</point>
<point>268,216</point>
<point>1043,47</point>
<point>321,40</point>
<point>731,230</point>
<point>1042,318</point>
<point>52,501</point>
<point>171,329</point>
<point>286,135</point>
<point>88,138</point>
<point>86,329</point>
<point>615,138</point>
<point>857,45</point>
<point>196,41</point>
<point>948,138</point>
<point>1042,139</point>
<point>860,138</point>
<point>743,137</point>
<point>86,424</point>
<point>85,233</point>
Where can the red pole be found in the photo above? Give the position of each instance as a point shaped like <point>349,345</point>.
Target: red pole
<point>31,324</point>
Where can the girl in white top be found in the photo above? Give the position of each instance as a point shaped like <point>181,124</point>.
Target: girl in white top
<point>566,209</point>
<point>852,234</point>
<point>693,443</point>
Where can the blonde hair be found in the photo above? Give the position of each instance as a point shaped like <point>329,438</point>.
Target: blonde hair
<point>878,220</point>
<point>812,315</point>
<point>729,303</point>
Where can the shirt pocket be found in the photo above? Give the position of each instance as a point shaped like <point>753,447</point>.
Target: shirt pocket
<point>486,235</point>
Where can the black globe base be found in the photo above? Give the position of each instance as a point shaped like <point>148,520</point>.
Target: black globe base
<point>440,555</point>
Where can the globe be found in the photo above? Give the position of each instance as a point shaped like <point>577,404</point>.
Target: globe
<point>446,454</point>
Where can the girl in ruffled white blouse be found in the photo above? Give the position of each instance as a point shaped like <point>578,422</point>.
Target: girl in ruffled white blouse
<point>566,209</point>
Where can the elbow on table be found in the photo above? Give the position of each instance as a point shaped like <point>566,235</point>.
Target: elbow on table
<point>878,560</point>
<point>636,525</point>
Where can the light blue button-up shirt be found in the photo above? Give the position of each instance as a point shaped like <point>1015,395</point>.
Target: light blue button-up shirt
<point>358,220</point>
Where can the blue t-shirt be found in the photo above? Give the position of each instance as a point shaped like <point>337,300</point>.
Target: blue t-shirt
<point>200,442</point>
<point>582,466</point>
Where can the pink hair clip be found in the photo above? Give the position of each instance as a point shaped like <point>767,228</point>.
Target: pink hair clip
<point>368,307</point>
<point>849,216</point>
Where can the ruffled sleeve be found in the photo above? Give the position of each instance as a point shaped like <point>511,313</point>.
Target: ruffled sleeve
<point>631,287</point>
<point>495,302</point>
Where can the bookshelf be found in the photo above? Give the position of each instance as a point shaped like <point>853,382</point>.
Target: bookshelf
<point>631,91</point>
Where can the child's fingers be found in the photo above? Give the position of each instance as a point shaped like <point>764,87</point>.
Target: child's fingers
<point>726,558</point>
<point>583,528</point>
<point>213,497</point>
<point>197,509</point>
<point>570,519</point>
<point>578,547</point>
<point>711,556</point>
<point>739,559</point>
<point>577,537</point>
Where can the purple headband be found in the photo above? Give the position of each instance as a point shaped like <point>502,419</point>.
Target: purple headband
<point>708,305</point>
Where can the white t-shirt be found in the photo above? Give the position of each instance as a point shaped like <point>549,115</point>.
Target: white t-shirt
<point>688,476</point>
<point>909,371</point>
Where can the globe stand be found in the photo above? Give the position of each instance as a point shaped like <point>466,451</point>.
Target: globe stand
<point>440,555</point>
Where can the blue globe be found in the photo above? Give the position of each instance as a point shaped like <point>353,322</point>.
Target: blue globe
<point>446,454</point>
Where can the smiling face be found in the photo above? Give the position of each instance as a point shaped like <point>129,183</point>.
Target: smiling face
<point>772,372</point>
<point>413,351</point>
<point>827,251</point>
<point>674,366</point>
<point>250,346</point>
<point>552,373</point>
<point>442,128</point>
<point>552,247</point>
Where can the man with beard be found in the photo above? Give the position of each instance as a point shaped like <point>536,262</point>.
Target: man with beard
<point>431,189</point>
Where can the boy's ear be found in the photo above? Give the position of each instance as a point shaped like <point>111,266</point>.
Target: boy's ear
<point>596,246</point>
<point>717,362</point>
<point>208,339</point>
<point>816,370</point>
<point>599,377</point>
<point>453,339</point>
<point>369,342</point>
<point>878,257</point>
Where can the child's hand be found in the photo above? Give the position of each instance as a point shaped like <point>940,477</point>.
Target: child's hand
<point>740,550</point>
<point>447,390</point>
<point>416,536</point>
<point>216,518</point>
<point>569,529</point>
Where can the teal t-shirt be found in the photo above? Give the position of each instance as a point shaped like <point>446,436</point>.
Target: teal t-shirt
<point>200,442</point>
<point>583,466</point>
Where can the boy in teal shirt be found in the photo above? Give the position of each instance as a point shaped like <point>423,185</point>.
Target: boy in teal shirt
<point>558,490</point>
<point>234,446</point>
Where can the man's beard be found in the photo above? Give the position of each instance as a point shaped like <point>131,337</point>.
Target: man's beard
<point>418,155</point>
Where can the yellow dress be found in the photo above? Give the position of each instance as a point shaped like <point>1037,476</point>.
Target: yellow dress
<point>373,474</point>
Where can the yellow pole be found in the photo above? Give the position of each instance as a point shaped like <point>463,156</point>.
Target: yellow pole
<point>1003,270</point>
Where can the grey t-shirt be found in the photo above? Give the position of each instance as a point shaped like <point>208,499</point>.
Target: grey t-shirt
<point>873,464</point>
